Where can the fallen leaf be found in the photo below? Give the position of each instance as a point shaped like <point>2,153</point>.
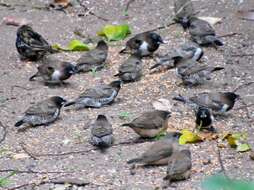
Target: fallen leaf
<point>238,141</point>
<point>115,32</point>
<point>62,3</point>
<point>211,20</point>
<point>20,156</point>
<point>162,104</point>
<point>15,21</point>
<point>208,135</point>
<point>188,137</point>
<point>246,14</point>
<point>74,45</point>
<point>243,147</point>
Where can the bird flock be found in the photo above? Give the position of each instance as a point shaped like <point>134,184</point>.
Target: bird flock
<point>186,62</point>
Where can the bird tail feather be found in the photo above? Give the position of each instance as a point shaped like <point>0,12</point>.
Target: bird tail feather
<point>134,160</point>
<point>69,103</point>
<point>155,65</point>
<point>19,123</point>
<point>180,98</point>
<point>217,69</point>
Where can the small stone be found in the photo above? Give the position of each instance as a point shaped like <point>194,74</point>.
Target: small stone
<point>252,155</point>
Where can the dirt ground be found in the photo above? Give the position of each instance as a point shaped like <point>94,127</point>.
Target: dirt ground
<point>70,133</point>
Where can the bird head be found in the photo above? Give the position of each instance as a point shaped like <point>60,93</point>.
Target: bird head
<point>59,101</point>
<point>101,117</point>
<point>102,45</point>
<point>185,21</point>
<point>232,96</point>
<point>203,113</point>
<point>156,38</point>
<point>116,84</point>
<point>70,68</point>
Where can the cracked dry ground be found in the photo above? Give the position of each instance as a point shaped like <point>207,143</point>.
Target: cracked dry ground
<point>69,133</point>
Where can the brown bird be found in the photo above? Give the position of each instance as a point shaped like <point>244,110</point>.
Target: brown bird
<point>131,69</point>
<point>43,113</point>
<point>158,153</point>
<point>150,124</point>
<point>179,167</point>
<point>203,33</point>
<point>93,59</point>
<point>144,43</point>
<point>217,102</point>
<point>101,132</point>
<point>54,71</point>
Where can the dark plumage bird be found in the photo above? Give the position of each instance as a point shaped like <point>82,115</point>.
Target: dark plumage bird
<point>94,58</point>
<point>131,69</point>
<point>144,43</point>
<point>101,132</point>
<point>185,52</point>
<point>184,10</point>
<point>150,124</point>
<point>157,154</point>
<point>31,45</point>
<point>98,96</point>
<point>203,33</point>
<point>43,113</point>
<point>217,102</point>
<point>193,73</point>
<point>204,119</point>
<point>179,167</point>
<point>54,71</point>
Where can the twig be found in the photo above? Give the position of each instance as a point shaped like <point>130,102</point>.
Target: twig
<point>243,85</point>
<point>32,171</point>
<point>243,55</point>
<point>163,27</point>
<point>4,132</point>
<point>245,106</point>
<point>90,12</point>
<point>21,87</point>
<point>128,5</point>
<point>229,35</point>
<point>220,161</point>
<point>22,144</point>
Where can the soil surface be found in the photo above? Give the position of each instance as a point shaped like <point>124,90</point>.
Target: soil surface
<point>70,133</point>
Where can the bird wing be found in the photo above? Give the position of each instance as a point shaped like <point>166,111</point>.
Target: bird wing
<point>35,40</point>
<point>98,92</point>
<point>101,129</point>
<point>178,164</point>
<point>193,69</point>
<point>201,28</point>
<point>207,100</point>
<point>92,57</point>
<point>148,121</point>
<point>42,108</point>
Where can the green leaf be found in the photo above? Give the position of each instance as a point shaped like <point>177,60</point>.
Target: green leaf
<point>238,141</point>
<point>188,137</point>
<point>4,181</point>
<point>221,182</point>
<point>124,115</point>
<point>74,45</point>
<point>243,147</point>
<point>115,32</point>
<point>162,134</point>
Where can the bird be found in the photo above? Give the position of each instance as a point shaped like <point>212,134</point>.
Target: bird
<point>203,33</point>
<point>185,52</point>
<point>43,113</point>
<point>54,71</point>
<point>184,10</point>
<point>93,59</point>
<point>157,154</point>
<point>217,102</point>
<point>31,45</point>
<point>97,96</point>
<point>150,124</point>
<point>192,73</point>
<point>101,133</point>
<point>131,69</point>
<point>204,119</point>
<point>144,43</point>
<point>179,167</point>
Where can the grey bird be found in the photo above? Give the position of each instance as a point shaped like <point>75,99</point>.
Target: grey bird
<point>31,45</point>
<point>101,133</point>
<point>131,69</point>
<point>54,71</point>
<point>203,33</point>
<point>217,102</point>
<point>192,73</point>
<point>43,113</point>
<point>93,59</point>
<point>150,124</point>
<point>179,167</point>
<point>157,154</point>
<point>144,43</point>
<point>184,52</point>
<point>98,96</point>
<point>184,10</point>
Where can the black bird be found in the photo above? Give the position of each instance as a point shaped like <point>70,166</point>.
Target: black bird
<point>144,43</point>
<point>131,69</point>
<point>203,33</point>
<point>184,52</point>
<point>184,10</point>
<point>217,102</point>
<point>93,59</point>
<point>150,124</point>
<point>179,167</point>
<point>43,113</point>
<point>101,132</point>
<point>31,45</point>
<point>193,73</point>
<point>54,71</point>
<point>98,96</point>
<point>158,153</point>
<point>204,119</point>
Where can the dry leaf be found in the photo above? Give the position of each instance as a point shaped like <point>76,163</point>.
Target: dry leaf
<point>211,20</point>
<point>162,104</point>
<point>246,14</point>
<point>15,21</point>
<point>20,156</point>
<point>208,136</point>
<point>63,3</point>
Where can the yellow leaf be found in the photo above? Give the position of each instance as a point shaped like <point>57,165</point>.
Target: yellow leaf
<point>188,137</point>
